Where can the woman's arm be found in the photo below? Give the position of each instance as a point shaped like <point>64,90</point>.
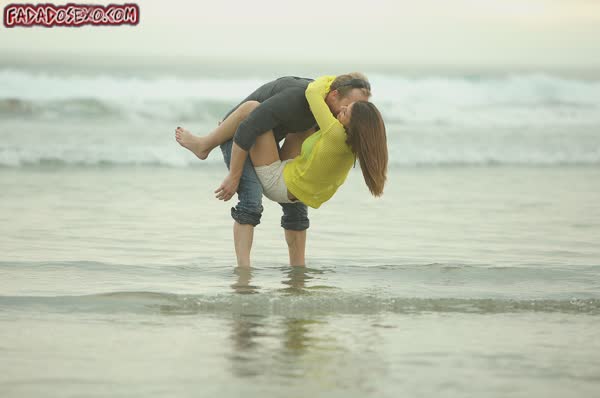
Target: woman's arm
<point>315,95</point>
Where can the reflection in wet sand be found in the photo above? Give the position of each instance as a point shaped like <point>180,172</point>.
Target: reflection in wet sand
<point>297,279</point>
<point>247,347</point>
<point>296,337</point>
<point>292,348</point>
<point>242,284</point>
<point>264,345</point>
<point>245,330</point>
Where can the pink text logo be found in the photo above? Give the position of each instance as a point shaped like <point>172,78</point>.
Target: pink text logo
<point>74,15</point>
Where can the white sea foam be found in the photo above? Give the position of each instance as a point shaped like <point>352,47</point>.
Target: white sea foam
<point>521,100</point>
<point>518,119</point>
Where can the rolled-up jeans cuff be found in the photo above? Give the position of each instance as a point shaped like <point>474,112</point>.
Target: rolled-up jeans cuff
<point>246,217</point>
<point>295,225</point>
<point>295,216</point>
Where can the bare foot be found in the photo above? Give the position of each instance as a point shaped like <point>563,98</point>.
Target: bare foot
<point>197,145</point>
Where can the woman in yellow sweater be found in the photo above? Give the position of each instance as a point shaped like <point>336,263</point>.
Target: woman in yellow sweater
<point>327,156</point>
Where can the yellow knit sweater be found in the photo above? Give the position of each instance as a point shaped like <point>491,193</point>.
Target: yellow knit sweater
<point>325,160</point>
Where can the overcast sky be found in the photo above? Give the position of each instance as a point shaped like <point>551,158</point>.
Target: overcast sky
<point>385,32</point>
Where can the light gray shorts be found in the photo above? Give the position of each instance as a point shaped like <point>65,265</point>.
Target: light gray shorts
<point>271,179</point>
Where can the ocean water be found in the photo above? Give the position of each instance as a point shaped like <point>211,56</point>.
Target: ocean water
<point>476,274</point>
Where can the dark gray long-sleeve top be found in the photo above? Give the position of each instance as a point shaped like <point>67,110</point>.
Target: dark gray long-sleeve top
<point>283,109</point>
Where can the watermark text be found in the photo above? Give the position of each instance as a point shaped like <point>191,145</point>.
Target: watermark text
<point>74,15</point>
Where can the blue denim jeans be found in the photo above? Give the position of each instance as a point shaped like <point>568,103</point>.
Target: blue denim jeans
<point>249,208</point>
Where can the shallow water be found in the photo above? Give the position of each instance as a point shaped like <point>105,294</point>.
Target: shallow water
<point>457,354</point>
<point>460,281</point>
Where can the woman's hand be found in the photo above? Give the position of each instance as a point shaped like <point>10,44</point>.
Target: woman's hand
<point>228,188</point>
<point>320,86</point>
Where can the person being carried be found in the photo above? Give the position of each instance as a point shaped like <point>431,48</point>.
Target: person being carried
<point>327,156</point>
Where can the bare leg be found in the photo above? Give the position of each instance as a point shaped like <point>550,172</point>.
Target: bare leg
<point>243,235</point>
<point>264,151</point>
<point>201,146</point>
<point>296,240</point>
<point>293,144</point>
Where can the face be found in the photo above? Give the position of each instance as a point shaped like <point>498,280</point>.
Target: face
<point>345,114</point>
<point>336,102</point>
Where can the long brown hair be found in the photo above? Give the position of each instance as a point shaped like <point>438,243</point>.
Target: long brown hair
<point>367,138</point>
